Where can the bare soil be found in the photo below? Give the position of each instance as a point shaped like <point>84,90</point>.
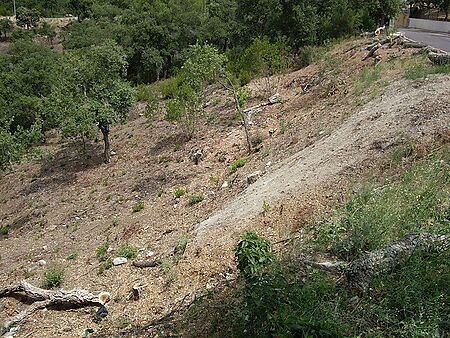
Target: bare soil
<point>314,145</point>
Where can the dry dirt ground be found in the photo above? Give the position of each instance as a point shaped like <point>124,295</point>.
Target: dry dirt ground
<point>314,145</point>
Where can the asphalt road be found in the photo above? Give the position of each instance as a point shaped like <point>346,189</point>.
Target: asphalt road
<point>434,39</point>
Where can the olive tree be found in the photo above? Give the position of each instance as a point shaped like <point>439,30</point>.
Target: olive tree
<point>92,93</point>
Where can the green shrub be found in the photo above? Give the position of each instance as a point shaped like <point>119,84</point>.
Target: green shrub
<point>196,199</point>
<point>237,164</point>
<point>127,250</point>
<point>139,206</point>
<point>102,251</point>
<point>253,253</point>
<point>180,192</point>
<point>53,277</point>
<point>4,230</point>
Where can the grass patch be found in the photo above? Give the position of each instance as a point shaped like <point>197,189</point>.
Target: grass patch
<point>53,277</point>
<point>105,265</point>
<point>196,199</point>
<point>421,67</point>
<point>139,206</point>
<point>4,230</point>
<point>102,251</point>
<point>237,164</point>
<point>72,256</point>
<point>180,192</point>
<point>127,250</point>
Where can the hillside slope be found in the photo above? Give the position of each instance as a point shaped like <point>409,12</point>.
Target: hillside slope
<point>315,143</point>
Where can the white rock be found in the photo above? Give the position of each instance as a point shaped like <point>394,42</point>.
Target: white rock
<point>109,250</point>
<point>42,262</point>
<point>119,261</point>
<point>225,184</point>
<point>151,253</point>
<point>268,164</point>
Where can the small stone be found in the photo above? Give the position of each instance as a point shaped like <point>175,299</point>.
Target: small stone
<point>42,262</point>
<point>268,164</point>
<point>119,261</point>
<point>275,98</point>
<point>109,250</point>
<point>252,178</point>
<point>225,184</point>
<point>113,153</point>
<point>151,253</point>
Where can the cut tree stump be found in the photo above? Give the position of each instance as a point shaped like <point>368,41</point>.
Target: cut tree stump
<point>40,299</point>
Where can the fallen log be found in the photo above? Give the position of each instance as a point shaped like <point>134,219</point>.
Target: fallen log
<point>270,101</point>
<point>40,299</point>
<point>439,58</point>
<point>359,272</point>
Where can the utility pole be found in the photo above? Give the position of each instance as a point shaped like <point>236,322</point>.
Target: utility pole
<point>14,4</point>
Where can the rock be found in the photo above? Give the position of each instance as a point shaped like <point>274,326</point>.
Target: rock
<point>268,164</point>
<point>150,253</point>
<point>225,184</point>
<point>275,98</point>
<point>109,250</point>
<point>196,155</point>
<point>42,262</point>
<point>113,153</point>
<point>119,261</point>
<point>252,178</point>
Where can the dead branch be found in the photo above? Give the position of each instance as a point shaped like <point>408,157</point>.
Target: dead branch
<point>41,299</point>
<point>151,263</point>
<point>372,51</point>
<point>270,101</point>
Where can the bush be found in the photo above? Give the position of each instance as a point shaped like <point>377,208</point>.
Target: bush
<point>237,164</point>
<point>196,199</point>
<point>127,250</point>
<point>139,206</point>
<point>53,277</point>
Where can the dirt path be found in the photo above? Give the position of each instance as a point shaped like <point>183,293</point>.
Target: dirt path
<point>364,135</point>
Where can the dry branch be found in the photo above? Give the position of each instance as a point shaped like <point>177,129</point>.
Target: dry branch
<point>41,299</point>
<point>372,51</point>
<point>151,263</point>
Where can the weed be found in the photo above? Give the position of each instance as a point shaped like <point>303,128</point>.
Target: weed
<point>72,256</point>
<point>53,277</point>
<point>160,193</point>
<point>115,222</point>
<point>180,248</point>
<point>105,265</point>
<point>253,253</point>
<point>180,192</point>
<point>237,164</point>
<point>265,207</point>
<point>102,251</point>
<point>4,230</point>
<point>196,199</point>
<point>127,250</point>
<point>283,127</point>
<point>139,206</point>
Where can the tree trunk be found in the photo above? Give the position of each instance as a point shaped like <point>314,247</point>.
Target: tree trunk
<point>107,152</point>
